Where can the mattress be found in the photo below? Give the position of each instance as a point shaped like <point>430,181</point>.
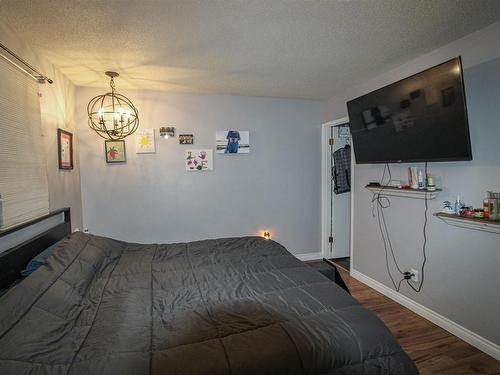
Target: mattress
<point>223,306</point>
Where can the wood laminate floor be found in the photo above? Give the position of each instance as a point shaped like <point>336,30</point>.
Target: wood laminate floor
<point>434,350</point>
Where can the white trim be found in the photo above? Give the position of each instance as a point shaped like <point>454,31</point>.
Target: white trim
<point>324,184</point>
<point>351,242</point>
<point>309,256</point>
<point>324,189</point>
<point>454,328</point>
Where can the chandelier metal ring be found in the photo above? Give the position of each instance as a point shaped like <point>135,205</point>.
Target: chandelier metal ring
<point>111,115</point>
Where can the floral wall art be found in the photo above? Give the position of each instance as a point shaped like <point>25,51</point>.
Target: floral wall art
<point>115,151</point>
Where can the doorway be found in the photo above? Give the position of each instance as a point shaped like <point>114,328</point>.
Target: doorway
<point>337,166</point>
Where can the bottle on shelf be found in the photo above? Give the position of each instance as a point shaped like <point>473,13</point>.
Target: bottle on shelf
<point>458,205</point>
<point>493,203</point>
<point>486,209</point>
<point>420,180</point>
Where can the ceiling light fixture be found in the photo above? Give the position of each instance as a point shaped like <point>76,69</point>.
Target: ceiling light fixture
<point>112,115</point>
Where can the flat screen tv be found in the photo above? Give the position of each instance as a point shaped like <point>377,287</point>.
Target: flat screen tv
<point>420,118</point>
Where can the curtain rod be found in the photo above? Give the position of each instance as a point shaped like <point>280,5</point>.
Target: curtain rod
<point>31,71</point>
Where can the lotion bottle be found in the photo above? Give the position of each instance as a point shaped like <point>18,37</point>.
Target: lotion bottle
<point>458,205</point>
<point>420,180</point>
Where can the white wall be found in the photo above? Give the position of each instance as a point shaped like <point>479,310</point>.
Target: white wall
<point>152,198</point>
<point>462,278</point>
<point>57,107</point>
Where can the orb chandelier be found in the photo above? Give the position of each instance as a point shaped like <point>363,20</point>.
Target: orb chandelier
<point>112,115</point>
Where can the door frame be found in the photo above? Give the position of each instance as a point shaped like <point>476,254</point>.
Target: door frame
<point>325,188</point>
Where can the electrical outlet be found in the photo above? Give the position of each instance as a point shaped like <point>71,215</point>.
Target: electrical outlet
<point>414,278</point>
<point>86,230</point>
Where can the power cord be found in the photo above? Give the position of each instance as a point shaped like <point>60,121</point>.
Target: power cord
<point>381,202</point>
<point>424,245</point>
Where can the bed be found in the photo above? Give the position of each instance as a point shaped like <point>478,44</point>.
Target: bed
<point>221,306</point>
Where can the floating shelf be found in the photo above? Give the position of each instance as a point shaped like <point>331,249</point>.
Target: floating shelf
<point>469,222</point>
<point>405,193</point>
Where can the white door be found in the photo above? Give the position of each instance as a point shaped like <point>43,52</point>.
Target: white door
<point>336,217</point>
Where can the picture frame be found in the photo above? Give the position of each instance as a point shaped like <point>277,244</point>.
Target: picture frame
<point>199,160</point>
<point>186,139</point>
<point>115,151</point>
<point>65,149</point>
<point>232,142</point>
<point>145,141</point>
<point>167,132</point>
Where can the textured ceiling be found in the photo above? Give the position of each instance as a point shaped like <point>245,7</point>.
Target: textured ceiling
<point>281,48</point>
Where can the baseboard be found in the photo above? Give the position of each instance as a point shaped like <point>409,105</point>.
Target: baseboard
<point>309,256</point>
<point>468,336</point>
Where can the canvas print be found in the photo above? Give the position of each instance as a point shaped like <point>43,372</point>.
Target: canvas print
<point>115,151</point>
<point>186,139</point>
<point>65,149</point>
<point>232,142</point>
<point>199,160</point>
<point>145,141</point>
<point>167,132</point>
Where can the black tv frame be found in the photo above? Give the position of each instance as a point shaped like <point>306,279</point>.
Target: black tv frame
<point>399,161</point>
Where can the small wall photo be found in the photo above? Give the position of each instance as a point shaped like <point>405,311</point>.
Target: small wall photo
<point>167,132</point>
<point>232,141</point>
<point>186,139</point>
<point>115,151</point>
<point>145,141</point>
<point>199,160</point>
<point>65,149</point>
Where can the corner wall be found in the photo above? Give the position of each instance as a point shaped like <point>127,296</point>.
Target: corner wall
<point>461,275</point>
<point>57,109</point>
<point>151,198</point>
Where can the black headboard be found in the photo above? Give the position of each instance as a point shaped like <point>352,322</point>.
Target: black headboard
<point>14,260</point>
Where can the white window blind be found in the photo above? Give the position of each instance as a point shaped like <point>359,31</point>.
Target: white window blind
<point>23,174</point>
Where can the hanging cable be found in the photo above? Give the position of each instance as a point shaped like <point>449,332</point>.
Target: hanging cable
<point>381,202</point>
<point>424,245</point>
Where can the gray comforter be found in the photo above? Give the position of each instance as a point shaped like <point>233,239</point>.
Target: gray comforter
<point>226,306</point>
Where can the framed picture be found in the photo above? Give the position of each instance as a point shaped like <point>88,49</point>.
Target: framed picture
<point>232,142</point>
<point>145,141</point>
<point>167,132</point>
<point>186,139</point>
<point>65,149</point>
<point>199,160</point>
<point>115,151</point>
